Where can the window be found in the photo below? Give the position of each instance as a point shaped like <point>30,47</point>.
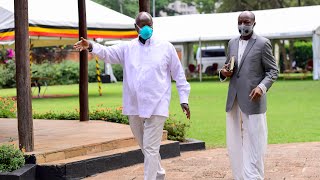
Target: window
<point>213,53</point>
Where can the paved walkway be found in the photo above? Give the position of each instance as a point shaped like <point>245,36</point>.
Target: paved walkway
<point>297,161</point>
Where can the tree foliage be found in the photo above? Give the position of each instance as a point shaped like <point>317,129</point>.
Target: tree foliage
<point>240,5</point>
<point>127,7</point>
<point>11,158</point>
<point>206,7</point>
<point>131,7</point>
<point>161,5</point>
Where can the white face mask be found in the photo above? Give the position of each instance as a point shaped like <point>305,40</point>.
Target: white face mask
<point>245,30</point>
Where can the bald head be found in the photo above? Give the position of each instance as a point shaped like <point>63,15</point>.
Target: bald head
<point>247,15</point>
<point>144,18</point>
<point>246,22</point>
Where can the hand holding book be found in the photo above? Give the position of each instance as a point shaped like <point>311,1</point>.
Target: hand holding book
<point>227,69</point>
<point>231,64</point>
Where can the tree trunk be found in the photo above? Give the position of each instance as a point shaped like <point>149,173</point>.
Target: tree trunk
<point>83,84</point>
<point>24,100</point>
<point>284,55</point>
<point>144,5</point>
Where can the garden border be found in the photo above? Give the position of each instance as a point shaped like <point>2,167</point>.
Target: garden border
<point>192,145</point>
<point>26,172</point>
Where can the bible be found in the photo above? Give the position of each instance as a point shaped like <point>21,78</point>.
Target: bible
<point>231,66</point>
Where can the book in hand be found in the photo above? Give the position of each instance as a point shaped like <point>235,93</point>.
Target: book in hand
<point>231,66</point>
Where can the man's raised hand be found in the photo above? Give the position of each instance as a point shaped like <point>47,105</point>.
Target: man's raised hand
<point>81,45</point>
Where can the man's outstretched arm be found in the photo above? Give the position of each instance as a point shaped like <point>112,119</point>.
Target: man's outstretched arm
<point>112,54</point>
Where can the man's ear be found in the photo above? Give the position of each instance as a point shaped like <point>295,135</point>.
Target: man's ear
<point>136,27</point>
<point>254,24</point>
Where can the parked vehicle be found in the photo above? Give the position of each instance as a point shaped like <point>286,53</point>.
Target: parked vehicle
<point>212,59</point>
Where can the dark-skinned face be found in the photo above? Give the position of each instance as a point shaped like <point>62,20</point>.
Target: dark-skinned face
<point>245,19</point>
<point>142,20</point>
<point>246,23</point>
<point>143,26</point>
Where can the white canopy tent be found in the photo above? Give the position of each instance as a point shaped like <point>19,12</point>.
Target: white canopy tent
<point>285,23</point>
<point>56,22</point>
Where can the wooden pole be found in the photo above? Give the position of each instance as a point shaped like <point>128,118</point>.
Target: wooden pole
<point>24,102</point>
<point>144,5</point>
<point>83,85</point>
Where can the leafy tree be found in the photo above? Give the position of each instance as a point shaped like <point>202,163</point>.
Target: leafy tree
<point>131,7</point>
<point>127,7</point>
<point>204,6</point>
<point>161,5</point>
<point>240,5</point>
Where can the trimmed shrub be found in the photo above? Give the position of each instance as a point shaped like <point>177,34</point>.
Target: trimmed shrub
<point>8,74</point>
<point>303,52</point>
<point>118,71</point>
<point>66,72</point>
<point>176,129</point>
<point>8,107</point>
<point>68,115</point>
<point>11,158</point>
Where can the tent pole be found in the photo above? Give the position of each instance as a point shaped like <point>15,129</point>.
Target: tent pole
<point>83,84</point>
<point>316,55</point>
<point>200,65</point>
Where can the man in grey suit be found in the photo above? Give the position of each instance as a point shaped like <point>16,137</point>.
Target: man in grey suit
<point>254,72</point>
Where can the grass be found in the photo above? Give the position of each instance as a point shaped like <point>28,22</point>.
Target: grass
<point>293,108</point>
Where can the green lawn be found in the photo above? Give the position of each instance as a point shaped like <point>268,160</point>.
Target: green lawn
<point>293,108</point>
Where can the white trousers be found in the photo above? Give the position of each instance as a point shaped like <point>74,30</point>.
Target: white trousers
<point>148,132</point>
<point>247,137</point>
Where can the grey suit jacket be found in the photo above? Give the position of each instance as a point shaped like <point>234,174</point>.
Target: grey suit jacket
<point>256,66</point>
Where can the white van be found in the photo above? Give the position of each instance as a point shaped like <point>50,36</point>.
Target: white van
<point>211,55</point>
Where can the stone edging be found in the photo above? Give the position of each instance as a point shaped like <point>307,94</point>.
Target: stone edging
<point>26,172</point>
<point>85,168</point>
<point>192,145</point>
<point>98,165</point>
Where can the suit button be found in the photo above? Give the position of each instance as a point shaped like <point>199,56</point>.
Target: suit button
<point>238,76</point>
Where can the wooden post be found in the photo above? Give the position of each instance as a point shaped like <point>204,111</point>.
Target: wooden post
<point>24,102</point>
<point>83,85</point>
<point>144,5</point>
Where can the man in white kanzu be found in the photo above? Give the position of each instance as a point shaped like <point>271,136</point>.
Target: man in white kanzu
<point>148,65</point>
<point>253,74</point>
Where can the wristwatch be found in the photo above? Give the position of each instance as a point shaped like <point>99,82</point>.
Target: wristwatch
<point>90,47</point>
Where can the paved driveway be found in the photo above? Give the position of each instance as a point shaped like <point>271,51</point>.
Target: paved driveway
<point>297,161</point>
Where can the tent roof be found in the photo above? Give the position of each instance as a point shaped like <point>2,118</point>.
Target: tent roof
<point>293,22</point>
<point>59,19</point>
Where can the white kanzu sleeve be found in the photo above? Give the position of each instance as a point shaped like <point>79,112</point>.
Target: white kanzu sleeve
<point>178,75</point>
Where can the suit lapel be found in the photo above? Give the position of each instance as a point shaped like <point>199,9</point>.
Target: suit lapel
<point>236,51</point>
<point>251,42</point>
